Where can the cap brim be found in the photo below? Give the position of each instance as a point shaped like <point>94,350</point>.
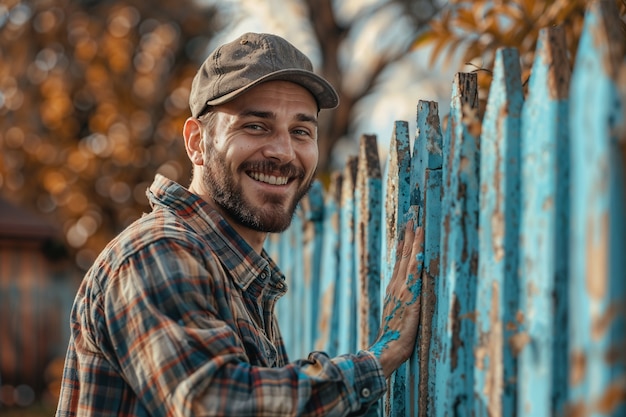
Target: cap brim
<point>324,93</point>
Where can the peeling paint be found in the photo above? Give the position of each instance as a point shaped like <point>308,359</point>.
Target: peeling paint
<point>566,335</point>
<point>518,341</point>
<point>455,327</point>
<point>613,397</point>
<point>555,56</point>
<point>608,36</point>
<point>494,383</point>
<point>601,324</point>
<point>578,367</point>
<point>597,257</point>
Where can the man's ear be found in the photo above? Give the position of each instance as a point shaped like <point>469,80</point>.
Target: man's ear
<point>192,132</point>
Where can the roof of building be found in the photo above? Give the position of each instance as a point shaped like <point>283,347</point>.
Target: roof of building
<point>20,223</point>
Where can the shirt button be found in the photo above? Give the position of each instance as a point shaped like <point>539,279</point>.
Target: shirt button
<point>263,275</point>
<point>365,393</point>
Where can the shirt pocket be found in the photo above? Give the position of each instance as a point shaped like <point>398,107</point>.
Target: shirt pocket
<point>260,350</point>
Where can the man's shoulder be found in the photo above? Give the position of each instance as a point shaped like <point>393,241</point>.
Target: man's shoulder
<point>154,231</point>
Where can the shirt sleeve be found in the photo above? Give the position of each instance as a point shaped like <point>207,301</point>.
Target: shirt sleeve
<point>160,324</point>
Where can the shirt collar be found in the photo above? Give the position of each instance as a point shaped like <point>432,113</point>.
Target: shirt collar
<point>235,254</point>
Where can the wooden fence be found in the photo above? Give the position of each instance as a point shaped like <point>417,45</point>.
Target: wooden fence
<point>524,210</point>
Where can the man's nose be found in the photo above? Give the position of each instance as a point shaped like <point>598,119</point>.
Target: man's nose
<point>280,147</point>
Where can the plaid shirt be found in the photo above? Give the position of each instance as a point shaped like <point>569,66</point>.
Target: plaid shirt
<point>176,318</point>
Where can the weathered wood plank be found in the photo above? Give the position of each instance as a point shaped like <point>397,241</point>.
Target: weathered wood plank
<point>456,289</point>
<point>313,226</point>
<point>286,248</point>
<point>368,201</point>
<point>542,381</point>
<point>471,368</point>
<point>497,286</point>
<point>327,337</point>
<point>295,249</point>
<point>368,204</point>
<point>396,191</point>
<point>347,285</point>
<point>426,189</point>
<point>598,265</point>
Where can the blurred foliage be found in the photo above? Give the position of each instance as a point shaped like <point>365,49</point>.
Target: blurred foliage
<point>477,28</point>
<point>93,97</point>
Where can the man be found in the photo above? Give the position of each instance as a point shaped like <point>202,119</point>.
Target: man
<point>176,316</point>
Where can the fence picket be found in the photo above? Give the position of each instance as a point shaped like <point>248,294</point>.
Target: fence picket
<point>456,291</point>
<point>313,224</point>
<point>347,286</point>
<point>327,338</point>
<point>426,188</point>
<point>397,175</point>
<point>497,286</point>
<point>368,237</point>
<point>544,234</point>
<point>525,236</point>
<point>598,234</point>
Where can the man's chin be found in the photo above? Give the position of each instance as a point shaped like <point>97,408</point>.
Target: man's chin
<point>276,219</point>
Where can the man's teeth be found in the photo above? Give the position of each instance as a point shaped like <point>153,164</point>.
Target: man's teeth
<point>269,179</point>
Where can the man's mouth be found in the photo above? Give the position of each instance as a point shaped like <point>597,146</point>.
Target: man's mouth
<point>269,179</point>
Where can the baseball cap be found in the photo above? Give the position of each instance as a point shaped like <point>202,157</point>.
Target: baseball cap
<point>253,58</point>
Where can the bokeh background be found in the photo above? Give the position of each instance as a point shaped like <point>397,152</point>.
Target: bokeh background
<point>93,96</point>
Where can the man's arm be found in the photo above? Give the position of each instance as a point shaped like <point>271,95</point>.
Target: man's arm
<point>167,335</point>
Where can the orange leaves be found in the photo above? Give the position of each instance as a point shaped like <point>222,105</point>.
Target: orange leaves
<point>480,27</point>
<point>91,107</point>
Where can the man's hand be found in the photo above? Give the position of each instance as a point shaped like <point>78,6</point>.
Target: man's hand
<point>401,312</point>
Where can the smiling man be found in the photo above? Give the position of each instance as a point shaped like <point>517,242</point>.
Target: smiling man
<point>255,156</point>
<point>176,316</point>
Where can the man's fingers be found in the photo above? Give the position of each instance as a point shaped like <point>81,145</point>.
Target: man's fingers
<point>404,249</point>
<point>417,247</point>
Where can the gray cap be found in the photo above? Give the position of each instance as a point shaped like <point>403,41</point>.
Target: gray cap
<point>235,67</point>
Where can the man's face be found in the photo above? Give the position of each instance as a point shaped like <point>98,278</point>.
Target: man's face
<point>261,158</point>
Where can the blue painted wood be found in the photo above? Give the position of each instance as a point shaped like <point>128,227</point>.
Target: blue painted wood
<point>368,204</point>
<point>347,286</point>
<point>327,337</point>
<point>507,237</point>
<point>497,287</point>
<point>277,245</point>
<point>541,342</point>
<point>294,249</point>
<point>426,189</point>
<point>396,190</point>
<point>368,237</point>
<point>598,265</point>
<point>456,289</point>
<point>313,217</point>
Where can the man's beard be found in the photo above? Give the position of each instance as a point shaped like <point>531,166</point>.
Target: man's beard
<point>274,217</point>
